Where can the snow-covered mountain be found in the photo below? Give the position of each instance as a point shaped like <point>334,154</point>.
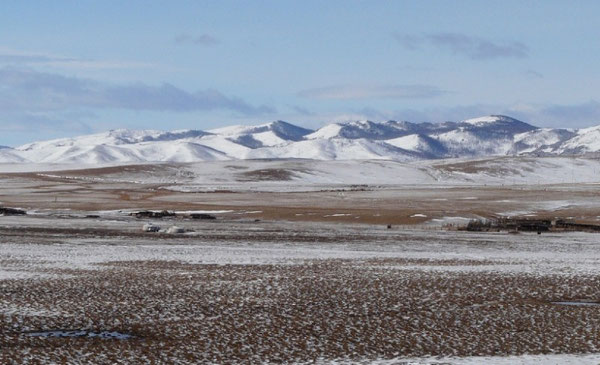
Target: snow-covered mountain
<point>9,155</point>
<point>401,141</point>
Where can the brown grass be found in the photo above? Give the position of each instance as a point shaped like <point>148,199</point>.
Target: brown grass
<point>266,175</point>
<point>332,309</point>
<point>363,204</point>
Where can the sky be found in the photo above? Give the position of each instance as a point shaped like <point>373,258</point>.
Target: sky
<point>76,67</point>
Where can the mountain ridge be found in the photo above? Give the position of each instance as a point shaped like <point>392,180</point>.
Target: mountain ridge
<point>492,135</point>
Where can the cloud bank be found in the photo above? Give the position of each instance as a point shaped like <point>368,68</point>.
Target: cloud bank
<point>29,90</point>
<point>11,57</point>
<point>475,48</point>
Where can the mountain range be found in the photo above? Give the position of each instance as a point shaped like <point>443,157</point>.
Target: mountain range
<point>493,135</point>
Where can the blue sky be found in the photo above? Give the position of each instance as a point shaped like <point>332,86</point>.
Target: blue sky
<point>75,67</point>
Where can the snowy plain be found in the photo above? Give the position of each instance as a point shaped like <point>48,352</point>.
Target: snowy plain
<point>525,264</point>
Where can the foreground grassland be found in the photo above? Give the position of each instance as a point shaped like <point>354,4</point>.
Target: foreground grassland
<point>288,292</point>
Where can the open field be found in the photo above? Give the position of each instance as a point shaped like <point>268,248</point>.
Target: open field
<point>255,291</point>
<point>373,192</point>
<point>292,271</point>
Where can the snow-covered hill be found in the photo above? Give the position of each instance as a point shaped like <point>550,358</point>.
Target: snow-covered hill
<point>401,141</point>
<point>8,155</point>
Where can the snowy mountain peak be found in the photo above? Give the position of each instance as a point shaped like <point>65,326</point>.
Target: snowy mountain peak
<point>498,120</point>
<point>127,136</point>
<point>326,132</point>
<point>364,129</point>
<point>487,119</point>
<point>263,135</point>
<point>282,129</point>
<point>362,139</point>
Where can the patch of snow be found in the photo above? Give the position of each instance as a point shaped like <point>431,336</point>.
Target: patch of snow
<point>578,304</point>
<point>562,359</point>
<point>80,333</point>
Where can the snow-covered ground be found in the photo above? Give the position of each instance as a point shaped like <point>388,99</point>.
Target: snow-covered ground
<point>458,293</point>
<point>364,191</point>
<point>278,289</point>
<point>309,175</point>
<point>235,243</point>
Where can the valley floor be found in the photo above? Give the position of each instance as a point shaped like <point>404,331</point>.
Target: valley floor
<point>292,275</point>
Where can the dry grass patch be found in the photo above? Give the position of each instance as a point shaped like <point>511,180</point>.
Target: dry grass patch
<point>333,309</point>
